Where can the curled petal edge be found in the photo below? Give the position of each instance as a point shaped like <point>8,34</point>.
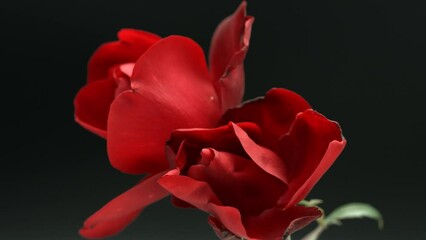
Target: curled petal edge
<point>116,215</point>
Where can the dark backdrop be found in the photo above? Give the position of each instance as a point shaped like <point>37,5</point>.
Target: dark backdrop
<point>360,62</point>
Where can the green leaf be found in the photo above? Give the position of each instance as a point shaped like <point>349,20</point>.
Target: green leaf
<point>310,203</point>
<point>346,211</point>
<point>354,210</point>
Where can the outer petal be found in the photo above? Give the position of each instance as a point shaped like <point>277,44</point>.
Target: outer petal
<point>309,150</point>
<point>122,210</point>
<point>274,113</point>
<point>274,223</point>
<point>230,217</point>
<point>197,193</point>
<point>171,89</point>
<point>92,103</point>
<point>131,45</point>
<point>228,48</point>
<point>91,106</point>
<point>200,195</point>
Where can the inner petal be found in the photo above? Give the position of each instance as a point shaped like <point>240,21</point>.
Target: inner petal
<point>240,183</point>
<point>121,75</point>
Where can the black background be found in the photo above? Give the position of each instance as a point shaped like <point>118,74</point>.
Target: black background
<point>359,62</point>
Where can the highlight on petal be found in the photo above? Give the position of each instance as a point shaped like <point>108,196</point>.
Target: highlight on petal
<point>308,150</point>
<point>222,138</point>
<point>131,45</point>
<point>141,119</point>
<point>273,113</point>
<point>228,49</point>
<point>124,209</point>
<point>91,106</point>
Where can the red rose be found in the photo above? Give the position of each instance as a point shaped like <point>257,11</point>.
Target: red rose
<point>250,174</point>
<point>142,87</point>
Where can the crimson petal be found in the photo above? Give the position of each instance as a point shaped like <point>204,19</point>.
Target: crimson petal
<point>200,195</point>
<point>132,43</point>
<point>229,217</point>
<point>228,48</point>
<point>122,210</point>
<point>266,159</point>
<point>171,89</point>
<point>309,150</point>
<point>197,193</point>
<point>273,113</point>
<point>274,223</point>
<point>92,104</point>
<point>221,138</point>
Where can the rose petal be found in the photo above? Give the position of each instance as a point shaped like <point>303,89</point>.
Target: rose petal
<point>141,120</point>
<point>197,193</point>
<point>221,138</point>
<point>186,156</point>
<point>122,210</point>
<point>309,150</point>
<point>274,223</point>
<point>91,106</point>
<point>230,217</point>
<point>231,178</point>
<point>93,101</point>
<point>228,48</point>
<point>121,75</point>
<point>131,45</point>
<point>273,113</point>
<point>333,151</point>
<point>263,157</point>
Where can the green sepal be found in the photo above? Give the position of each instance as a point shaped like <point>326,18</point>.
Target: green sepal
<point>346,211</point>
<point>311,202</point>
<point>354,210</point>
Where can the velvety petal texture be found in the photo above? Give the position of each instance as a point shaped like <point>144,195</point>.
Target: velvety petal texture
<point>131,106</point>
<point>309,150</point>
<point>274,113</point>
<point>91,106</point>
<point>141,119</point>
<point>228,49</point>
<point>108,68</point>
<point>251,173</point>
<point>130,46</point>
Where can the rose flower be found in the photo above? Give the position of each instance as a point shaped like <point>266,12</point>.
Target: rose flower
<point>141,88</point>
<point>250,173</point>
